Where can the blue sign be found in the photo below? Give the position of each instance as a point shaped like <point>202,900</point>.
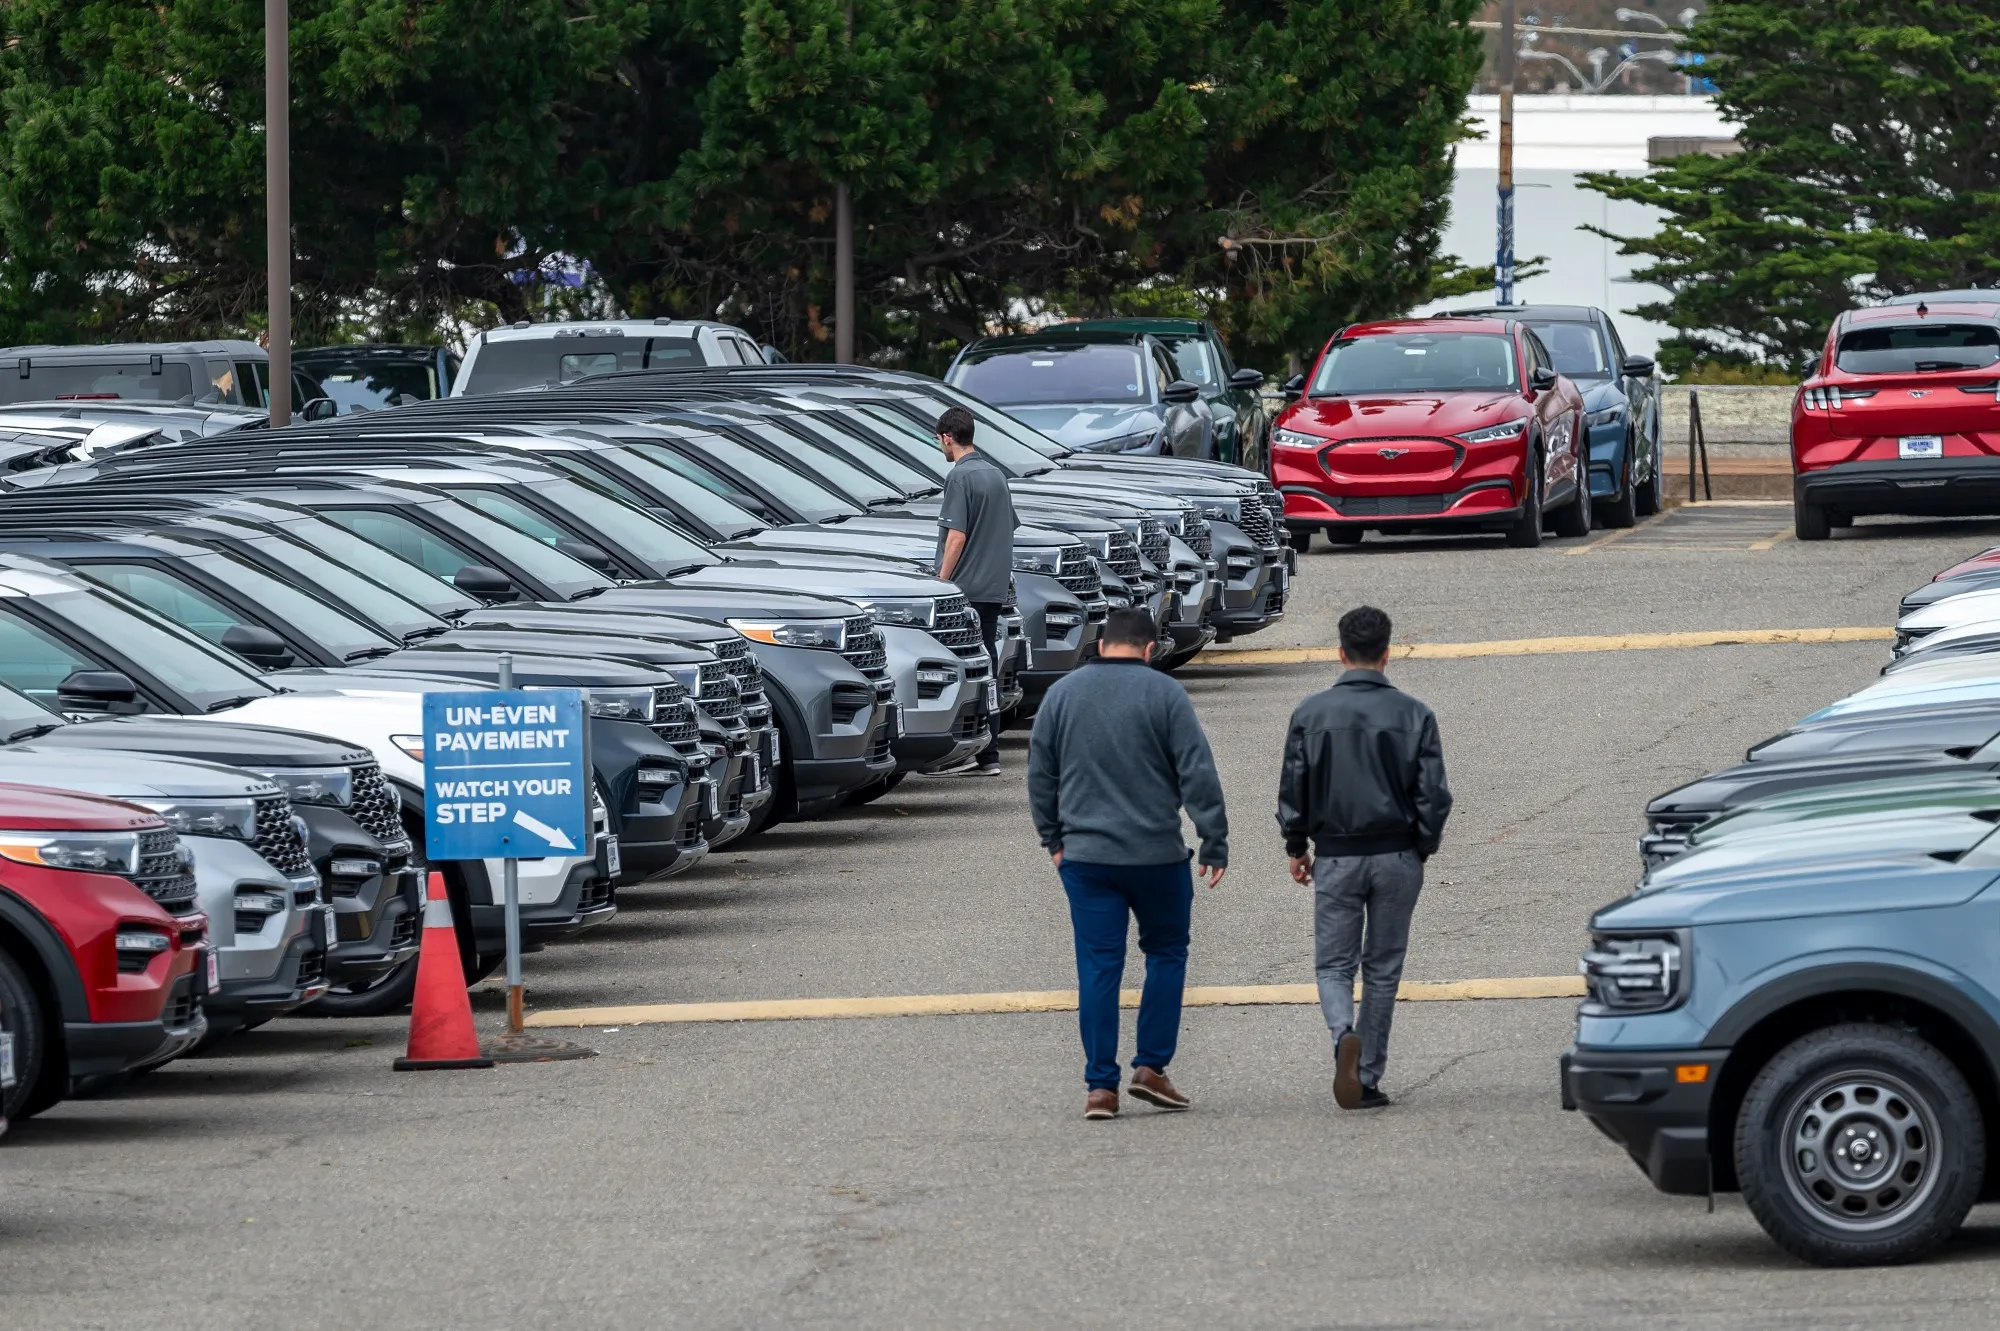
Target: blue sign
<point>505,775</point>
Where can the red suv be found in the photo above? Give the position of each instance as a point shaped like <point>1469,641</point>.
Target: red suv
<point>103,956</point>
<point>1902,414</point>
<point>1432,425</point>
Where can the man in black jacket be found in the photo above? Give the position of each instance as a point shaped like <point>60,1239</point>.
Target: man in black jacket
<point>1363,780</point>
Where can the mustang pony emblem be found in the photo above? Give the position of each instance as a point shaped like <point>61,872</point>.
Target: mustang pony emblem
<point>1391,453</point>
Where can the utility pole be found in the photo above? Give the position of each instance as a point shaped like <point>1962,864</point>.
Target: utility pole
<point>1503,261</point>
<point>843,255</point>
<point>278,205</point>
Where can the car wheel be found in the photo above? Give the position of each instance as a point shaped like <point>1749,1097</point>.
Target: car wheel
<point>1526,533</point>
<point>1343,535</point>
<point>1300,538</point>
<point>1622,509</point>
<point>1860,1144</point>
<point>1573,519</point>
<point>388,992</point>
<point>36,1074</point>
<point>1809,521</point>
<point>1652,494</point>
<point>868,794</point>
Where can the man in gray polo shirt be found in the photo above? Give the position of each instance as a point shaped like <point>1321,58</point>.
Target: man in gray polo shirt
<point>976,551</point>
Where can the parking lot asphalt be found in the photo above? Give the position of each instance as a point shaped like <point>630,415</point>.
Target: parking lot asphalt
<point>919,1170</point>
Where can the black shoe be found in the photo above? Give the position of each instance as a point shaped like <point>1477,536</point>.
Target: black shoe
<point>1348,1091</point>
<point>1371,1098</point>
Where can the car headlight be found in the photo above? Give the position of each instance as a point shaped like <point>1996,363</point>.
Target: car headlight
<point>1048,560</point>
<point>1604,417</point>
<point>1123,443</point>
<point>413,745</point>
<point>1294,439</point>
<point>230,818</point>
<point>916,613</point>
<point>93,852</point>
<point>1099,545</point>
<point>620,704</point>
<point>1492,434</point>
<point>1222,510</point>
<point>314,785</point>
<point>1635,973</point>
<point>828,634</point>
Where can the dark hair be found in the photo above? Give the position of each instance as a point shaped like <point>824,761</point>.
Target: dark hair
<point>1364,634</point>
<point>1129,627</point>
<point>956,424</point>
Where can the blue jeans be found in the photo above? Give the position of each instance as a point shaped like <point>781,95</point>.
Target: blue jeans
<point>1161,896</point>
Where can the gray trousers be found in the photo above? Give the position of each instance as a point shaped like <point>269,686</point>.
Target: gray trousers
<point>1361,917</point>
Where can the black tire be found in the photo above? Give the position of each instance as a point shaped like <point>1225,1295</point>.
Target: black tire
<point>868,794</point>
<point>1572,520</point>
<point>1652,493</point>
<point>1622,509</point>
<point>1343,535</point>
<point>39,1079</point>
<point>1300,539</point>
<point>1526,533</point>
<point>390,992</point>
<point>1898,1119</point>
<point>1809,521</point>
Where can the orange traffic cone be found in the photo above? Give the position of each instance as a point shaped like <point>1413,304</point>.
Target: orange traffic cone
<point>441,1034</point>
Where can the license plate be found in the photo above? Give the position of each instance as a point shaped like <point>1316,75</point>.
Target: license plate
<point>895,722</point>
<point>214,970</point>
<point>776,744</point>
<point>611,864</point>
<point>331,925</point>
<point>1920,446</point>
<point>753,773</point>
<point>6,1060</point>
<point>1284,578</point>
<point>714,799</point>
<point>992,696</point>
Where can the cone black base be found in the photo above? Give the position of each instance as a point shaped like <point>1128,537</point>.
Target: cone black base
<point>440,1064</point>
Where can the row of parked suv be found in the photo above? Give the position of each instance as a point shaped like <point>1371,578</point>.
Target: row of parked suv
<point>228,630</point>
<point>1801,999</point>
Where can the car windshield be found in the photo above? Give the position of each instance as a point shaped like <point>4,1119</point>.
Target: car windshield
<point>208,677</point>
<point>36,381</point>
<point>21,717</point>
<point>502,366</point>
<point>783,484</point>
<point>1194,360</point>
<point>401,576</point>
<point>895,434</point>
<point>1578,350</point>
<point>381,607</point>
<point>819,463</point>
<point>170,593</point>
<point>701,503</point>
<point>1417,363</point>
<point>863,452</point>
<point>370,385</point>
<point>566,577</point>
<point>1058,372</point>
<point>1916,348</point>
<point>597,514</point>
<point>1016,449</point>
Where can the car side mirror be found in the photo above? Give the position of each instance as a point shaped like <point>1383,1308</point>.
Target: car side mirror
<point>259,646</point>
<point>1247,379</point>
<point>773,356</point>
<point>110,691</point>
<point>488,584</point>
<point>1542,380</point>
<point>1293,386</point>
<point>321,409</point>
<point>1637,367</point>
<point>585,553</point>
<point>1180,393</point>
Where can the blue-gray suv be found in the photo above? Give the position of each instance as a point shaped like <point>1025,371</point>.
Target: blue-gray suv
<point>1808,1013</point>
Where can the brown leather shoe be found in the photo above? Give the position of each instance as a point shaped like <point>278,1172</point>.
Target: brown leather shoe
<point>1347,1070</point>
<point>1101,1104</point>
<point>1152,1086</point>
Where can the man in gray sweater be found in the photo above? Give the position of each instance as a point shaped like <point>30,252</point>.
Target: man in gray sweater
<point>1115,755</point>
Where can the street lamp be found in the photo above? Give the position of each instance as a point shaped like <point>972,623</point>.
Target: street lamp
<point>278,207</point>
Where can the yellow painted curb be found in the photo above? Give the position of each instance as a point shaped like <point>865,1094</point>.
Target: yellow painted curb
<point>1611,642</point>
<point>1042,1000</point>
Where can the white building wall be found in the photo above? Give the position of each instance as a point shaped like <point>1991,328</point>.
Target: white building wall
<point>1556,139</point>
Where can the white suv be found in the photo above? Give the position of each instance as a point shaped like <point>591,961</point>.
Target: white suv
<point>537,355</point>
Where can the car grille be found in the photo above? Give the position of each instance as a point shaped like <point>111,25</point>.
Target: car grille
<point>1124,557</point>
<point>404,931</point>
<point>278,839</point>
<point>1274,503</point>
<point>165,872</point>
<point>1388,506</point>
<point>690,833</point>
<point>1255,520</point>
<point>737,659</point>
<point>957,627</point>
<point>594,895</point>
<point>864,647</point>
<point>673,714</point>
<point>180,1009</point>
<point>971,723</point>
<point>720,696</point>
<point>378,809</point>
<point>1153,542</point>
<point>1076,573</point>
<point>1195,534</point>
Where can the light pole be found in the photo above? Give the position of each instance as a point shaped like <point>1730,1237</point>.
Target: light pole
<point>843,256</point>
<point>278,206</point>
<point>1503,260</point>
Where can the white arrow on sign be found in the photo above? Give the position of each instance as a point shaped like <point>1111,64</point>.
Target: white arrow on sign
<point>544,831</point>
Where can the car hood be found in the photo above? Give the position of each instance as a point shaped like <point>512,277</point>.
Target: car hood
<point>1946,682</point>
<point>1967,605</point>
<point>1973,580</point>
<point>1907,796</point>
<point>207,741</point>
<point>720,603</point>
<point>128,776</point>
<point>1598,394</point>
<point>1961,728</point>
<point>1745,783</point>
<point>1426,415</point>
<point>677,628</point>
<point>1089,425</point>
<point>599,643</point>
<point>846,583</point>
<point>546,670</point>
